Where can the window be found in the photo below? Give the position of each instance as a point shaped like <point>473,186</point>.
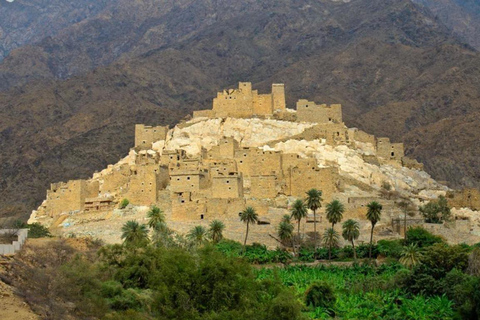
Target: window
<point>393,154</point>
<point>201,217</point>
<point>188,178</point>
<point>228,181</point>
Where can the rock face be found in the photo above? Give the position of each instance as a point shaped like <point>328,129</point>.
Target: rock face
<point>213,168</point>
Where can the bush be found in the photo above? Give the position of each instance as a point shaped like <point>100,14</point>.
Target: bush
<point>436,211</point>
<point>320,295</point>
<point>390,248</point>
<point>36,230</point>
<point>124,203</point>
<point>421,238</point>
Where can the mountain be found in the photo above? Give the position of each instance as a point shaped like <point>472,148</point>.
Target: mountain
<point>461,16</point>
<point>397,70</point>
<point>24,22</point>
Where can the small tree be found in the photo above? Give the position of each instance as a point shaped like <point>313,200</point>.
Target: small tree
<point>134,233</point>
<point>436,211</point>
<point>374,214</point>
<point>249,215</point>
<point>330,240</point>
<point>124,203</point>
<point>216,231</point>
<point>314,202</point>
<point>335,210</point>
<point>351,232</point>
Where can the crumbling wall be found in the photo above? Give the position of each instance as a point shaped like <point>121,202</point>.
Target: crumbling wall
<point>263,187</point>
<point>224,150</point>
<point>308,111</point>
<point>69,196</point>
<point>254,161</point>
<point>227,187</point>
<point>466,198</point>
<point>390,151</point>
<point>146,135</point>
<point>304,177</point>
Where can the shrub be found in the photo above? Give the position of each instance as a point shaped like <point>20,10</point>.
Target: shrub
<point>124,203</point>
<point>320,295</point>
<point>390,248</point>
<point>436,211</point>
<point>421,237</point>
<point>36,230</point>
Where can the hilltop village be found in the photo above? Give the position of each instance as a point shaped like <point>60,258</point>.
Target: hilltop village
<point>248,150</point>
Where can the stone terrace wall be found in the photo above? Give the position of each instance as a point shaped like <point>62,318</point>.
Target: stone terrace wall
<point>16,245</point>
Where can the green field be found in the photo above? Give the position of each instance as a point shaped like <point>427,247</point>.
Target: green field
<point>363,292</point>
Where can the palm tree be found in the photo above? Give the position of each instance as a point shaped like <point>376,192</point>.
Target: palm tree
<point>335,210</point>
<point>248,216</point>
<point>351,232</point>
<point>411,256</point>
<point>330,239</point>
<point>314,201</point>
<point>215,231</point>
<point>197,235</point>
<point>286,218</point>
<point>374,213</point>
<point>156,218</point>
<point>299,211</point>
<point>285,232</point>
<point>134,233</point>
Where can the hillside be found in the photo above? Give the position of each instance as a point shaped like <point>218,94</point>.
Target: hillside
<point>397,71</point>
<point>461,16</point>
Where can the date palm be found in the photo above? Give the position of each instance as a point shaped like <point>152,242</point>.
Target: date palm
<point>411,256</point>
<point>156,218</point>
<point>299,211</point>
<point>314,202</point>
<point>134,233</point>
<point>330,240</point>
<point>216,230</point>
<point>249,215</point>
<point>374,213</point>
<point>197,235</point>
<point>335,210</point>
<point>285,232</point>
<point>351,232</point>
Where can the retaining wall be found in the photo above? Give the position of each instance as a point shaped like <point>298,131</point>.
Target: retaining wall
<point>16,245</point>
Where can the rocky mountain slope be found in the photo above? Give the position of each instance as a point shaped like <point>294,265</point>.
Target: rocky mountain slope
<point>397,70</point>
<point>25,22</point>
<point>461,16</point>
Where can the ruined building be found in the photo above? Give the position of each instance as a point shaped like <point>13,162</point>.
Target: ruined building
<point>222,179</point>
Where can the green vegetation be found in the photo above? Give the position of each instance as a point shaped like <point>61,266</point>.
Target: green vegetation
<point>436,211</point>
<point>35,230</point>
<point>314,202</point>
<point>158,274</point>
<point>374,212</point>
<point>248,216</point>
<point>124,203</point>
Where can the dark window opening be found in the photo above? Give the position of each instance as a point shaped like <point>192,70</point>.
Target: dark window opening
<point>393,154</point>
<point>201,217</point>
